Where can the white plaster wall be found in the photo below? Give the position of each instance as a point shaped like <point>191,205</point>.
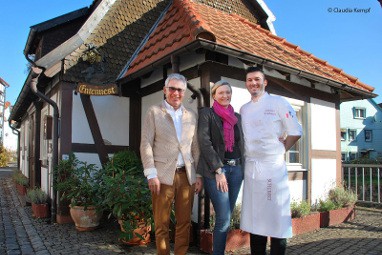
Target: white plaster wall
<point>297,189</point>
<point>323,176</point>
<point>90,158</point>
<point>45,182</point>
<point>323,120</point>
<point>112,114</point>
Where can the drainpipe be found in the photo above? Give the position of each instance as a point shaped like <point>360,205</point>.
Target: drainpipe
<point>196,93</point>
<point>16,132</point>
<point>36,72</point>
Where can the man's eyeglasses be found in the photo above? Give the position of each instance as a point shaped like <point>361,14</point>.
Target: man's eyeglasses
<point>173,89</point>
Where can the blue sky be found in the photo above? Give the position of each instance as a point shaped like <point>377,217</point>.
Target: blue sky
<point>347,40</point>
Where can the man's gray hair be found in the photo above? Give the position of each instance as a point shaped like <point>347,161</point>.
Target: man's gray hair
<point>176,76</point>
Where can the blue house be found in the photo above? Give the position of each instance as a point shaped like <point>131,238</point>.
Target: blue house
<point>361,129</point>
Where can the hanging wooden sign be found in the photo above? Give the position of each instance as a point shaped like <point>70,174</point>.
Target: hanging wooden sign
<point>97,90</point>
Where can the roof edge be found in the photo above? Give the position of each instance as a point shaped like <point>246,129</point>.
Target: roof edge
<point>201,43</point>
<point>57,54</point>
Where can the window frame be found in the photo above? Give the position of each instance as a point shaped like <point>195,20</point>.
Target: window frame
<point>355,134</point>
<point>370,138</point>
<point>357,113</point>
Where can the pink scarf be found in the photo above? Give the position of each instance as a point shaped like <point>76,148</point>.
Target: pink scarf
<point>229,121</point>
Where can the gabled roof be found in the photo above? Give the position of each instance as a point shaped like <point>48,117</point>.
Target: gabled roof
<point>187,22</point>
<point>52,23</point>
<point>115,27</point>
<point>4,83</point>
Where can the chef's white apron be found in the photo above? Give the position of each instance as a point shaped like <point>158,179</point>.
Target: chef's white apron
<point>266,197</point>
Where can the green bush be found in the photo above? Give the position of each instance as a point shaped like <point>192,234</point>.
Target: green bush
<point>37,196</point>
<point>300,209</point>
<point>326,205</point>
<point>5,156</point>
<point>342,197</point>
<point>235,217</point>
<point>78,181</point>
<point>124,191</point>
<point>19,178</point>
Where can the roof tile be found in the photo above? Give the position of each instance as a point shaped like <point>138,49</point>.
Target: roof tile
<point>186,20</point>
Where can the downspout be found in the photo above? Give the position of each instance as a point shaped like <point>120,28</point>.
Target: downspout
<point>16,132</point>
<point>196,93</point>
<point>36,72</point>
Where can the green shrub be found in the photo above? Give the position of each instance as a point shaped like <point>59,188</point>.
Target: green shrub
<point>235,217</point>
<point>342,197</point>
<point>5,156</point>
<point>124,191</point>
<point>37,196</point>
<point>326,205</point>
<point>78,181</point>
<point>300,209</point>
<point>19,178</point>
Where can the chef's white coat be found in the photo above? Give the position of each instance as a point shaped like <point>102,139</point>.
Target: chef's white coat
<point>266,196</point>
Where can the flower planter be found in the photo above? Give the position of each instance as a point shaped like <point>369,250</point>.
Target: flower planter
<point>85,220</point>
<point>306,224</point>
<point>40,211</point>
<point>21,189</point>
<point>236,239</point>
<point>142,230</point>
<point>336,217</point>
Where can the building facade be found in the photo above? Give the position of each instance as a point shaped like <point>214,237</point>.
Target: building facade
<point>361,130</point>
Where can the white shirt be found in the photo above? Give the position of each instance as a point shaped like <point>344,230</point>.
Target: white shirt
<point>177,118</point>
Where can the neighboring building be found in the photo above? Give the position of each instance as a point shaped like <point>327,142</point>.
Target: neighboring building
<point>361,129</point>
<point>3,105</point>
<point>102,67</point>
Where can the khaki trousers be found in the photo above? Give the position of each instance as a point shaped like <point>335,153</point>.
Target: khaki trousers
<point>182,193</point>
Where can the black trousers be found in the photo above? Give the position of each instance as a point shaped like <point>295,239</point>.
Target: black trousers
<point>259,245</point>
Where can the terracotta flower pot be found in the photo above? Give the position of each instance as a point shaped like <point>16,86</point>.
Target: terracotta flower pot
<point>40,210</point>
<point>85,220</point>
<point>336,217</point>
<point>306,224</point>
<point>142,230</point>
<point>236,239</point>
<point>21,189</point>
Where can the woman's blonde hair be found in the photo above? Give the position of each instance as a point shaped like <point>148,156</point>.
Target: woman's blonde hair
<point>219,84</point>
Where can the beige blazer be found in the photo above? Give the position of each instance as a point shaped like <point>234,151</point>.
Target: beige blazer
<point>160,146</point>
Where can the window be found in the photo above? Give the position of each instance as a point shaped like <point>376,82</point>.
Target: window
<point>352,155</point>
<point>293,155</point>
<point>359,113</point>
<point>343,156</point>
<point>368,135</point>
<point>343,134</point>
<point>352,134</point>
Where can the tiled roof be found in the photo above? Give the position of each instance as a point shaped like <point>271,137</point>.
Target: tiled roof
<point>116,37</point>
<point>187,21</point>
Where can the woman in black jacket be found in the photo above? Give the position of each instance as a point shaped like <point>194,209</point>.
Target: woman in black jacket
<point>221,150</point>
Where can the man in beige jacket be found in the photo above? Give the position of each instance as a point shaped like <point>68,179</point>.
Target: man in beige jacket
<point>169,153</point>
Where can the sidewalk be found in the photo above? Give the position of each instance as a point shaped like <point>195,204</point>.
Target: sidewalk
<point>21,234</point>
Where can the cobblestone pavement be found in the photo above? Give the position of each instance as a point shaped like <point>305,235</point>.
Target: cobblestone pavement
<point>21,234</point>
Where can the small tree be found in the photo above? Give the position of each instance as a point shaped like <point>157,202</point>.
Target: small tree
<point>5,156</point>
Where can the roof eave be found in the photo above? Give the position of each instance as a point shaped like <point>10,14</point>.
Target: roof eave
<point>200,43</point>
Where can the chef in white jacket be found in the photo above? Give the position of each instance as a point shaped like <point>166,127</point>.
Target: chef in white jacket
<point>266,197</point>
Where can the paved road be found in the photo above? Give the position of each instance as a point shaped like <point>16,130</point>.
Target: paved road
<point>21,234</point>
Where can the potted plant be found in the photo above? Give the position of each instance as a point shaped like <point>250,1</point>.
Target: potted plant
<point>338,207</point>
<point>303,219</point>
<point>236,238</point>
<point>78,183</point>
<point>39,200</point>
<point>21,182</point>
<point>125,194</point>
